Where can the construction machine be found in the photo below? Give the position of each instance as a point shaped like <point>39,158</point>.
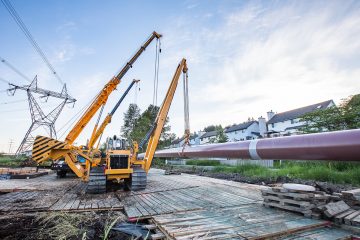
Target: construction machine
<point>122,163</point>
<point>80,158</point>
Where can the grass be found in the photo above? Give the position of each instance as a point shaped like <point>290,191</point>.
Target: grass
<point>61,225</point>
<point>11,161</point>
<point>66,225</point>
<point>348,173</point>
<point>201,162</point>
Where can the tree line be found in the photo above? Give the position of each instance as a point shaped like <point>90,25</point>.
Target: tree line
<point>137,124</point>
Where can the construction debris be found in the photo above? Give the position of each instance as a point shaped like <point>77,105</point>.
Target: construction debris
<point>22,173</point>
<point>352,198</point>
<point>296,199</point>
<point>342,208</point>
<point>334,208</point>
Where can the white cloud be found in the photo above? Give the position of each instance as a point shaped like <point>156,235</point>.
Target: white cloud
<point>287,56</point>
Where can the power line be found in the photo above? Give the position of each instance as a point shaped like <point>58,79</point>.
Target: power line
<point>14,69</point>
<point>15,101</point>
<point>24,109</point>
<point>31,39</point>
<point>5,81</point>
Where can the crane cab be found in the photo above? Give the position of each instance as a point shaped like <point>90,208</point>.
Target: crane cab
<point>118,157</point>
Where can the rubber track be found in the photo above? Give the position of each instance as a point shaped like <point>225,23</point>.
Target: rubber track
<point>138,179</point>
<point>97,181</point>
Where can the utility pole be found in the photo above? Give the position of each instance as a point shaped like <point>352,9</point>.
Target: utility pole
<point>38,117</point>
<point>10,144</point>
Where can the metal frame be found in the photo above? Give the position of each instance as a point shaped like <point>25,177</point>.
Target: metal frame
<point>38,117</point>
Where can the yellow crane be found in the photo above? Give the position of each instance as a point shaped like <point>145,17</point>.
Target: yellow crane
<point>80,159</point>
<point>123,163</point>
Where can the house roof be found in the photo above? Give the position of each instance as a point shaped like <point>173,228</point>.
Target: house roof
<point>240,126</point>
<point>209,134</point>
<point>177,141</point>
<point>296,113</point>
<point>256,134</point>
<point>193,136</point>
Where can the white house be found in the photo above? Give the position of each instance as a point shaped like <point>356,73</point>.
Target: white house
<point>243,131</point>
<point>195,138</point>
<point>288,123</point>
<point>208,137</point>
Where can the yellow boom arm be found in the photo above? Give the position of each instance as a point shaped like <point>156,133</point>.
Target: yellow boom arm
<point>102,97</point>
<point>162,114</point>
<point>98,131</point>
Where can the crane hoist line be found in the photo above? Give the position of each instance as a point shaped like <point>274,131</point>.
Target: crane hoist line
<point>103,95</point>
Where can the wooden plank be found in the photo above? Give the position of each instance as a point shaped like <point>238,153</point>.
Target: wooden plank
<point>334,208</point>
<point>340,217</point>
<point>157,236</point>
<point>348,218</point>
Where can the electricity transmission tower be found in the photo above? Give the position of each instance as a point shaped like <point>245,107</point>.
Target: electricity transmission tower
<point>38,117</point>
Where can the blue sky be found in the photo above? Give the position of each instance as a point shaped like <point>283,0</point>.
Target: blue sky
<point>245,57</point>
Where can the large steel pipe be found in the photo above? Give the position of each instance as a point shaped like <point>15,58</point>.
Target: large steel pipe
<point>337,146</point>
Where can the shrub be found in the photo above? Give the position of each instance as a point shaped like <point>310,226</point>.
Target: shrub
<point>203,162</point>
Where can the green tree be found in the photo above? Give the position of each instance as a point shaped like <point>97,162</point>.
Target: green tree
<point>131,117</point>
<point>221,137</point>
<point>211,128</point>
<point>345,116</point>
<point>351,109</point>
<point>144,123</point>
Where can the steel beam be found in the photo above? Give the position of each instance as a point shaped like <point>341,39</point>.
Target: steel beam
<point>336,146</point>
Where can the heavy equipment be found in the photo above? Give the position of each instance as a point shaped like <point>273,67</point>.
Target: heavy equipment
<point>122,163</point>
<point>80,158</point>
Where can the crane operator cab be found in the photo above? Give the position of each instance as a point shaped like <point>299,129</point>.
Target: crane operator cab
<point>117,159</point>
<point>118,168</point>
<point>117,153</point>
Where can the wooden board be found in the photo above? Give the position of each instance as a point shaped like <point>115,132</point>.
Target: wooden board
<point>181,193</point>
<point>243,222</point>
<point>85,202</point>
<point>27,201</point>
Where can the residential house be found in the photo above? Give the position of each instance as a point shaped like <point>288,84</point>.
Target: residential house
<point>243,131</point>
<point>208,137</point>
<point>179,142</point>
<point>288,123</point>
<point>195,138</point>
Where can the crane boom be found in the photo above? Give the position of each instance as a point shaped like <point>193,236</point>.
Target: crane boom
<point>108,118</point>
<point>103,95</point>
<point>162,114</point>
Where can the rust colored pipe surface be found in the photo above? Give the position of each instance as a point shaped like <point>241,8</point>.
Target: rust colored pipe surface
<point>336,146</point>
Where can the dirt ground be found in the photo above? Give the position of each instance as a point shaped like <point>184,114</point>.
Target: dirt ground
<point>60,225</point>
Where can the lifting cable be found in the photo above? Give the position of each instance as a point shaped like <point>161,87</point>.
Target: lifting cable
<point>31,39</point>
<point>75,118</point>
<point>14,69</point>
<point>186,111</point>
<point>156,72</point>
<point>186,101</point>
<point>137,89</point>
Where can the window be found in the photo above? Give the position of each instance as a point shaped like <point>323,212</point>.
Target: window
<point>273,125</point>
